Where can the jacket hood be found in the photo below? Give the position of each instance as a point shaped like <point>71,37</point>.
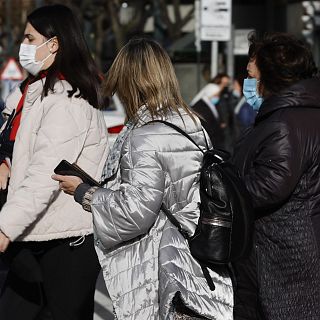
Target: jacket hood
<point>304,94</point>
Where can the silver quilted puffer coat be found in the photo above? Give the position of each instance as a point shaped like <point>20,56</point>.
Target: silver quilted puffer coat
<point>145,259</point>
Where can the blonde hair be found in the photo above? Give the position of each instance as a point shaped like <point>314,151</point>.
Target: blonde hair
<point>142,74</point>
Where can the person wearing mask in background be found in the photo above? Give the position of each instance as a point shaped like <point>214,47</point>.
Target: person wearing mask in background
<point>279,160</point>
<point>206,73</point>
<point>222,80</point>
<point>228,99</point>
<point>204,104</point>
<point>46,237</point>
<point>244,114</point>
<point>147,265</point>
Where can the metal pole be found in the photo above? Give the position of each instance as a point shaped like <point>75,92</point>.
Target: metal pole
<point>214,58</point>
<point>198,71</point>
<point>157,21</point>
<point>230,55</point>
<point>198,41</point>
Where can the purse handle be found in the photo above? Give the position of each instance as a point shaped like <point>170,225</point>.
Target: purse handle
<point>219,154</point>
<point>169,124</point>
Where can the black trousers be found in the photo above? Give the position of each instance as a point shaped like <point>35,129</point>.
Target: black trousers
<point>246,297</point>
<point>53,275</point>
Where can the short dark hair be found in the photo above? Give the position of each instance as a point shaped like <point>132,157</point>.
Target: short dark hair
<point>73,59</point>
<point>218,78</point>
<point>281,59</point>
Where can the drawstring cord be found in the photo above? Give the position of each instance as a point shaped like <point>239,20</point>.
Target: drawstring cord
<point>77,242</point>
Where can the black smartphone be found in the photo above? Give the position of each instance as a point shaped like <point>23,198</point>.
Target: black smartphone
<point>65,168</point>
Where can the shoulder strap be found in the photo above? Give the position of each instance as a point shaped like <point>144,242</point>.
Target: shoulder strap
<point>174,221</point>
<point>171,217</point>
<point>179,130</point>
<point>167,212</point>
<point>205,138</point>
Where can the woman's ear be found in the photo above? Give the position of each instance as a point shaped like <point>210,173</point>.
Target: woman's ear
<point>54,45</point>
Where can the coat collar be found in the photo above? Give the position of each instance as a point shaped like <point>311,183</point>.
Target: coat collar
<point>304,94</point>
<point>144,116</point>
<point>34,90</point>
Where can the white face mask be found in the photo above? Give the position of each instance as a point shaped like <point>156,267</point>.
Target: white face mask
<point>27,57</point>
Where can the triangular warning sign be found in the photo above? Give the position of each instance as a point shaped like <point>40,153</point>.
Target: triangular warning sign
<point>11,71</point>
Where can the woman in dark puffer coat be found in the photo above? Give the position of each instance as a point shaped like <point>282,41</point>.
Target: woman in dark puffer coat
<point>279,159</point>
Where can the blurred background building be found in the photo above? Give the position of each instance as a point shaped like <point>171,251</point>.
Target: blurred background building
<point>108,24</point>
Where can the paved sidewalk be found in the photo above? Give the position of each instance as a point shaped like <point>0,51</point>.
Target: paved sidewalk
<point>103,306</point>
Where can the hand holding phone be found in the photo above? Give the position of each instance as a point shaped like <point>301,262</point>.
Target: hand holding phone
<point>65,168</point>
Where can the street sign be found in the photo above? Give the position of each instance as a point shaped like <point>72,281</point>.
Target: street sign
<point>241,45</point>
<point>11,71</point>
<point>215,20</point>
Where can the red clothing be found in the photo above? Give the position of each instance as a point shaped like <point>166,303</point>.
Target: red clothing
<point>17,118</point>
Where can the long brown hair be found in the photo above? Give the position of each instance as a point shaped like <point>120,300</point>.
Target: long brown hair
<point>142,74</point>
<point>73,59</point>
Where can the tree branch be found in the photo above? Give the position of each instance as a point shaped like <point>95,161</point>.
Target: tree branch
<point>177,13</point>
<point>113,8</point>
<point>187,18</point>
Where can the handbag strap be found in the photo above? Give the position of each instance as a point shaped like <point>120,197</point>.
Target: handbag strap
<point>174,221</point>
<point>220,154</point>
<point>171,217</point>
<point>169,124</point>
<point>167,212</point>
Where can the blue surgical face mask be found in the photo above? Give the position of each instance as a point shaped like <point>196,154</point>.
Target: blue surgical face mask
<point>251,94</point>
<point>215,100</point>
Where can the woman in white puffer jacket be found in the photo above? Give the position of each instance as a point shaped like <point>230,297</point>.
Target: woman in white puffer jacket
<point>147,265</point>
<point>55,116</point>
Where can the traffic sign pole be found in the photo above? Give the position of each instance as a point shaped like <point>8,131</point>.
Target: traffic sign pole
<point>215,22</point>
<point>197,42</point>
<point>10,76</point>
<point>214,58</point>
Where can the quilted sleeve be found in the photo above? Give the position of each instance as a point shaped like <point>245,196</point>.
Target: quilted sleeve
<point>276,168</point>
<point>123,214</point>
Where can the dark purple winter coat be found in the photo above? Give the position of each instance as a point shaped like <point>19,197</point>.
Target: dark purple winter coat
<point>279,159</point>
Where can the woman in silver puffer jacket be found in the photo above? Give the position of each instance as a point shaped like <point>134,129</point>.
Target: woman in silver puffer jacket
<point>147,266</point>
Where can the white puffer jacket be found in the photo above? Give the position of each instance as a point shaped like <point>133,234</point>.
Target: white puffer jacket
<point>52,128</point>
